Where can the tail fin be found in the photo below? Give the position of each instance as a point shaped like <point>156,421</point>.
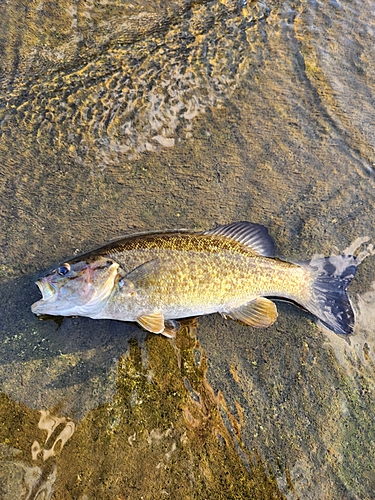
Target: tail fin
<point>329,300</point>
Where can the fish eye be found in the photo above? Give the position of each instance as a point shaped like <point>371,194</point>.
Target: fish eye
<point>63,270</point>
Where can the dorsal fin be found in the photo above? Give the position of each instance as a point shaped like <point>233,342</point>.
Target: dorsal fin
<point>254,236</point>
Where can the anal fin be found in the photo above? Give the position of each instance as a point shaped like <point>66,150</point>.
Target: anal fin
<point>152,322</point>
<point>259,313</point>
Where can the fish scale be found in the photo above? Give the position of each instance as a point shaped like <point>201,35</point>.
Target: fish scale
<point>206,271</point>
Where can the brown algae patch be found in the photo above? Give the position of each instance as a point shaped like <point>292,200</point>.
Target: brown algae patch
<point>162,436</point>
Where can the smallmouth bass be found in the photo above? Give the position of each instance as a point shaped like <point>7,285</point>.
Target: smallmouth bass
<point>156,278</point>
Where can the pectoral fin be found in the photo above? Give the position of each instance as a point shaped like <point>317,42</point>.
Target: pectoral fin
<point>260,313</point>
<point>152,322</point>
<point>143,274</point>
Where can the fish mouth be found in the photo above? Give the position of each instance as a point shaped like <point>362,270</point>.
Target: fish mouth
<point>47,291</point>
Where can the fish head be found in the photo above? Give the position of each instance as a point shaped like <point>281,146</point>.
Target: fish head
<point>77,288</point>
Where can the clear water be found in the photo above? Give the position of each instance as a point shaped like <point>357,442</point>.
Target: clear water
<point>119,117</point>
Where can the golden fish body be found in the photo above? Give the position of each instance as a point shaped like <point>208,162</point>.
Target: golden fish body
<point>153,277</point>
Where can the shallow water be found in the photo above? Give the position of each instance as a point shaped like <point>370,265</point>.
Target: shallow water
<point>119,117</point>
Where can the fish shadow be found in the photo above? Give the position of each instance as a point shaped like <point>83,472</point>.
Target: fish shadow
<point>25,337</point>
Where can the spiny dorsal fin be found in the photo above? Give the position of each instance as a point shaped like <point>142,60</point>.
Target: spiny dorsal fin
<point>152,322</point>
<point>254,236</point>
<point>260,313</point>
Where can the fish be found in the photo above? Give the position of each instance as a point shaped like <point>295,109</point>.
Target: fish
<point>157,278</point>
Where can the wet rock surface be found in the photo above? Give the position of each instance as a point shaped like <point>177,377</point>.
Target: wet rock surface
<point>122,117</point>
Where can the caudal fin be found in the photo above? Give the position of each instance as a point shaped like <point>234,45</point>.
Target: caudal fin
<point>329,300</point>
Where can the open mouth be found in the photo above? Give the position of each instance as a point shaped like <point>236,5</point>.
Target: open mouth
<point>47,292</point>
<point>45,289</point>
